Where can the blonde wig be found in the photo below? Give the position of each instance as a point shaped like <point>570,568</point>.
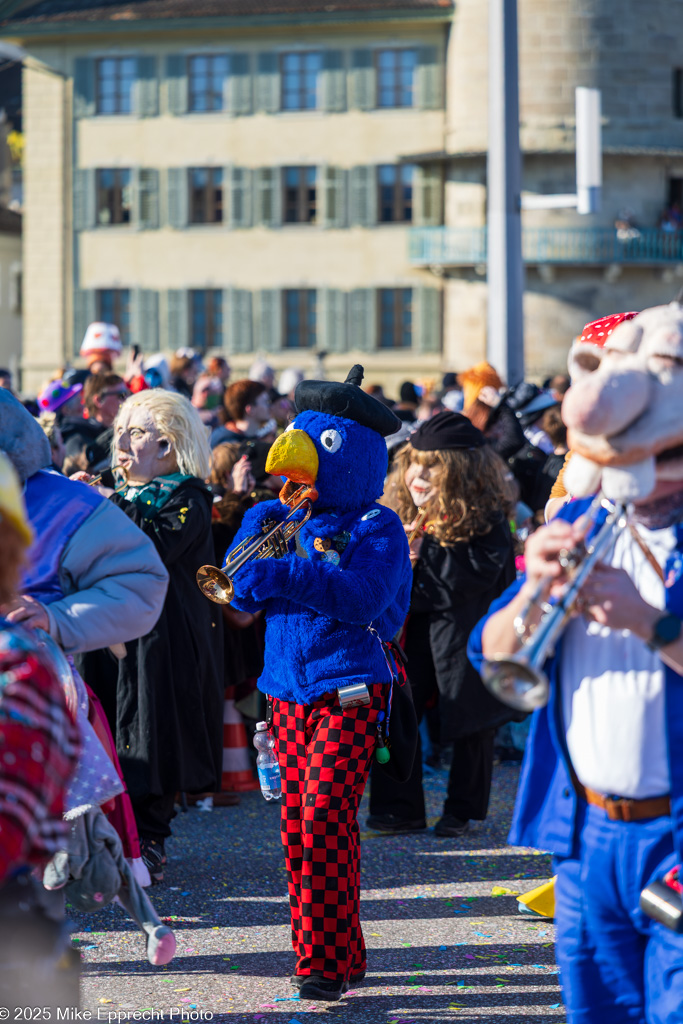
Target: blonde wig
<point>177,420</point>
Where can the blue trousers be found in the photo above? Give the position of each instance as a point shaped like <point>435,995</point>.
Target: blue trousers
<point>617,965</point>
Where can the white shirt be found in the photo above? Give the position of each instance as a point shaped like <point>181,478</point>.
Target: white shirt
<point>613,688</point>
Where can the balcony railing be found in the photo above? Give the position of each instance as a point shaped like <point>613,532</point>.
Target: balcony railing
<point>462,247</point>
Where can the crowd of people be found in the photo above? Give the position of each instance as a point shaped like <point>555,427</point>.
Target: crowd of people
<point>424,538</point>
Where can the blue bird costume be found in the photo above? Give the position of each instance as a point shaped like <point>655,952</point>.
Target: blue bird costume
<point>344,585</point>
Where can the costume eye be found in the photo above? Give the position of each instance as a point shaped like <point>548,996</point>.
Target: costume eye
<point>331,440</point>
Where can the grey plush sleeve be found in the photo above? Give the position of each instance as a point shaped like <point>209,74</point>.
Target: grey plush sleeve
<point>114,581</point>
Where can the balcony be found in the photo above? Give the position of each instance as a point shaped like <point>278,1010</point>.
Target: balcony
<point>464,247</point>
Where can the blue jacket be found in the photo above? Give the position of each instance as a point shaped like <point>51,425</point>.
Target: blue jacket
<point>546,807</point>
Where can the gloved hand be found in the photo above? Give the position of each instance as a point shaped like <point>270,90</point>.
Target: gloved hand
<point>258,581</point>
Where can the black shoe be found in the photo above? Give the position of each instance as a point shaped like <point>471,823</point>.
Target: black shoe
<point>354,981</point>
<point>451,826</point>
<point>314,987</point>
<point>392,823</point>
<point>154,857</point>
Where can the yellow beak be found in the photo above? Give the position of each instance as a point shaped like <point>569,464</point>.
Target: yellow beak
<point>293,455</point>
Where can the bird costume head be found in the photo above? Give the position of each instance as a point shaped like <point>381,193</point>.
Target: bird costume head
<point>336,443</point>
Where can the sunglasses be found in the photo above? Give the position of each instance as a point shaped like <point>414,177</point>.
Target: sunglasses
<point>123,395</point>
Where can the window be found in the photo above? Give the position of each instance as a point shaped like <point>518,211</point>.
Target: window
<point>395,193</point>
<point>396,78</point>
<point>300,318</point>
<point>206,195</point>
<point>299,195</point>
<point>206,318</point>
<point>300,80</point>
<point>113,307</point>
<point>114,197</point>
<point>206,80</point>
<point>115,78</point>
<point>395,317</point>
<point>677,96</point>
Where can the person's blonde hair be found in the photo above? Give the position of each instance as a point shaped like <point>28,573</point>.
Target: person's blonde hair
<point>474,491</point>
<point>178,421</point>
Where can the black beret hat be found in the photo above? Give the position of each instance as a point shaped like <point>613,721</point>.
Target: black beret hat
<point>346,400</point>
<point>408,393</point>
<point>446,430</point>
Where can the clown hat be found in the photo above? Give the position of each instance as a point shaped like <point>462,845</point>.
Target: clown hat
<point>586,351</point>
<point>56,394</point>
<point>101,337</point>
<point>11,500</point>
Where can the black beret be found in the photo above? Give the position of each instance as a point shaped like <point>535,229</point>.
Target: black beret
<point>346,400</point>
<point>446,430</point>
<point>408,393</point>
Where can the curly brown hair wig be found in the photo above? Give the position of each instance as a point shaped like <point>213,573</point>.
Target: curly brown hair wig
<point>475,491</point>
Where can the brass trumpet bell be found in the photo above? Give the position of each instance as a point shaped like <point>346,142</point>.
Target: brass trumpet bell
<point>516,683</point>
<point>215,584</point>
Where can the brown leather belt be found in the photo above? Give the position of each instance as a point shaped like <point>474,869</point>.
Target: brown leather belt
<point>623,809</point>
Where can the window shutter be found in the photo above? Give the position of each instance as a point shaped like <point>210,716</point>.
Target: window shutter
<point>177,199</point>
<point>176,84</point>
<point>268,196</point>
<point>363,319</point>
<point>146,90</point>
<point>238,202</point>
<point>145,319</point>
<point>177,319</point>
<point>268,83</point>
<point>268,320</point>
<point>237,328</point>
<point>85,214</point>
<point>363,196</point>
<point>334,81</point>
<point>427,195</point>
<point>426,319</point>
<point>238,99</point>
<point>146,198</point>
<point>332,320</point>
<point>85,312</point>
<point>84,87</point>
<point>429,83</point>
<point>363,80</point>
<point>333,185</point>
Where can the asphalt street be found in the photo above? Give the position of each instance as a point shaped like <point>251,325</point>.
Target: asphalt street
<point>443,943</point>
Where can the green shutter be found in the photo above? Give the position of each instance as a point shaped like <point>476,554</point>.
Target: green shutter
<point>84,87</point>
<point>237,197</point>
<point>85,312</point>
<point>268,83</point>
<point>268,320</point>
<point>268,196</point>
<point>176,84</point>
<point>237,327</point>
<point>427,195</point>
<point>332,320</point>
<point>427,304</point>
<point>429,82</point>
<point>177,197</point>
<point>334,81</point>
<point>85,213</point>
<point>363,196</point>
<point>238,98</point>
<point>333,191</point>
<point>177,319</point>
<point>146,198</point>
<point>363,320</point>
<point>362,80</point>
<point>146,89</point>
<point>145,319</point>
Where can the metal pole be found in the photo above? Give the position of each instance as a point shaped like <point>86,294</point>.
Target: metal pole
<point>505,342</point>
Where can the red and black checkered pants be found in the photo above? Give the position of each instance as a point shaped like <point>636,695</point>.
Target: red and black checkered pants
<point>325,756</point>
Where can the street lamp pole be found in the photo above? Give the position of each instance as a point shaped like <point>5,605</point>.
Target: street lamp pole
<point>505,339</point>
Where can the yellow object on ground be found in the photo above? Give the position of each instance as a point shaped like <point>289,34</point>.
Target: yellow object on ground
<point>540,900</point>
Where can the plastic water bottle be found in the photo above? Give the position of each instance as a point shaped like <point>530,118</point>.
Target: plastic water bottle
<point>267,763</point>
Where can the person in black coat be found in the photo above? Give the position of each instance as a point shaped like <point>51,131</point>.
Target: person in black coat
<point>452,484</point>
<point>169,692</point>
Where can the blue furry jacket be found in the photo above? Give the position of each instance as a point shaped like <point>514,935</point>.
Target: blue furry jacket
<point>354,572</point>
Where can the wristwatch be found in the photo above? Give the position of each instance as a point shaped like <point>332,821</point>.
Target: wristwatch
<point>666,630</point>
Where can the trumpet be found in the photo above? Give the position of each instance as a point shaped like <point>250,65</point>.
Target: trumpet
<point>119,487</point>
<point>217,585</point>
<point>420,520</point>
<point>518,680</point>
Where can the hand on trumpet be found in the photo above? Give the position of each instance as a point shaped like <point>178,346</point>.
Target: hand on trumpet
<point>86,478</point>
<point>610,598</point>
<point>415,539</point>
<point>543,552</point>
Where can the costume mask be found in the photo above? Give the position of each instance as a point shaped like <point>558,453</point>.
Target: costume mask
<point>140,448</point>
<point>422,483</point>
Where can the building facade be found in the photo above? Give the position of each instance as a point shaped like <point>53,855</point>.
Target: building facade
<point>287,178</point>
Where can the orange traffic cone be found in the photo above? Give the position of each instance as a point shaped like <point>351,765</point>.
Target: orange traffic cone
<point>237,776</point>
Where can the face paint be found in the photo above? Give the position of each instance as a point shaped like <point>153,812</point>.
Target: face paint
<point>422,483</point>
<point>140,449</point>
